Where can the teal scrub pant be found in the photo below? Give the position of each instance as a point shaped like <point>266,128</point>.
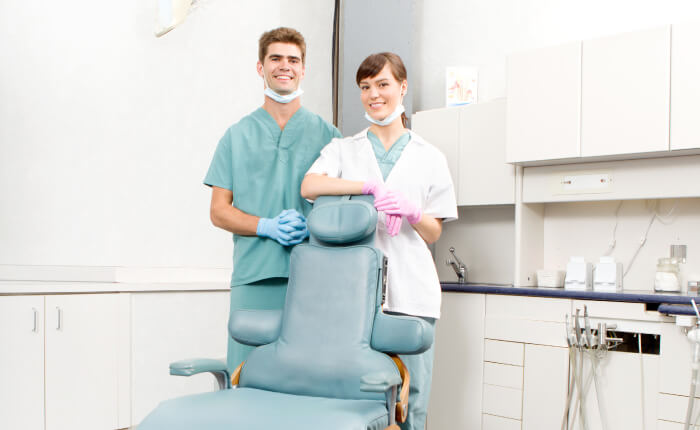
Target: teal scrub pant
<point>420,367</point>
<point>264,294</point>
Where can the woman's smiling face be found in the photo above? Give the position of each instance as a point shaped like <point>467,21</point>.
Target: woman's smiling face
<point>382,93</point>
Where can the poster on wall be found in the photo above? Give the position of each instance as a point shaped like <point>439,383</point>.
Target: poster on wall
<point>461,85</point>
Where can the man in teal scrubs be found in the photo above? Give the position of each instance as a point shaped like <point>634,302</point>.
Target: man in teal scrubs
<point>256,175</point>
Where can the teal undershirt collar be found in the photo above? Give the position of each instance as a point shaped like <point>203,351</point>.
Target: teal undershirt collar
<point>387,159</point>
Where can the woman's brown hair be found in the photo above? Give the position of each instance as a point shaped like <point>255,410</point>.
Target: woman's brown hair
<point>374,64</point>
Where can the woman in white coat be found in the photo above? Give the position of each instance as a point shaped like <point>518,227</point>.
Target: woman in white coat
<point>413,193</point>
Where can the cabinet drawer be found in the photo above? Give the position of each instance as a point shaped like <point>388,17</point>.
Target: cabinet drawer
<point>668,425</point>
<point>504,402</point>
<point>617,310</point>
<point>526,331</point>
<point>498,351</point>
<point>493,422</point>
<point>674,408</point>
<point>527,308</point>
<point>503,375</point>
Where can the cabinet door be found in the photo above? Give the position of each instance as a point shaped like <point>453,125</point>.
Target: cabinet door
<point>544,104</point>
<point>440,127</point>
<point>81,362</point>
<point>625,93</point>
<point>455,396</point>
<point>685,86</point>
<point>545,382</point>
<point>168,327</point>
<point>22,362</point>
<point>484,176</point>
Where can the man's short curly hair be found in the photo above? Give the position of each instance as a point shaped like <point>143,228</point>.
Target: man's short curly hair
<point>281,35</point>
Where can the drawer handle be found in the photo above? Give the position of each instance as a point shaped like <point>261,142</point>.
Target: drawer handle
<point>36,318</point>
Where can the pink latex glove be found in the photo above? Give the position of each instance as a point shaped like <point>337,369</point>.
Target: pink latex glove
<point>393,224</point>
<point>379,191</point>
<point>374,188</point>
<point>395,203</point>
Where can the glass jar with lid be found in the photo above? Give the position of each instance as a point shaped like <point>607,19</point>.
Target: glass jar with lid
<point>667,275</point>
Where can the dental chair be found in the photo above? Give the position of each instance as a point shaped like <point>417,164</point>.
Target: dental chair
<point>329,359</point>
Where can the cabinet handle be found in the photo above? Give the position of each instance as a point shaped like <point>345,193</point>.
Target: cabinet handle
<point>36,316</point>
<point>58,314</point>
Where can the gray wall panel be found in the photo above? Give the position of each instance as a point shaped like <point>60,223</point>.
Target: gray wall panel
<point>367,27</point>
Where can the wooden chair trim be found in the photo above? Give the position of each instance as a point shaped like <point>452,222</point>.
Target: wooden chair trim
<point>235,376</point>
<point>402,402</point>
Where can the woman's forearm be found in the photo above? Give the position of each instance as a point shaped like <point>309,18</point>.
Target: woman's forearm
<point>315,185</point>
<point>429,228</point>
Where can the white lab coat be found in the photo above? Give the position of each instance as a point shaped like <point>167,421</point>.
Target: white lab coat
<point>421,174</point>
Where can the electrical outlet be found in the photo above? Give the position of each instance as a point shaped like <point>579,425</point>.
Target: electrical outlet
<point>585,183</point>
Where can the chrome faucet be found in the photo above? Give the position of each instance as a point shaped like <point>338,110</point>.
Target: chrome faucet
<point>457,265</point>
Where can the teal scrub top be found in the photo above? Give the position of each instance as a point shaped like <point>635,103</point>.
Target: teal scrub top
<point>387,159</point>
<point>263,166</point>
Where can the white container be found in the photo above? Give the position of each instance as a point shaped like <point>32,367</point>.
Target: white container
<point>550,278</point>
<point>608,275</point>
<point>578,274</point>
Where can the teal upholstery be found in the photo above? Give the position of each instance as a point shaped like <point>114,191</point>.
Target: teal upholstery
<point>321,363</point>
<point>255,327</point>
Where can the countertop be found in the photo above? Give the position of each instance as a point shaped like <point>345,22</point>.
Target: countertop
<point>631,296</point>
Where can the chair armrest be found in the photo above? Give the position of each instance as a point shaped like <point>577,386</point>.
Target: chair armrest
<point>255,327</point>
<point>200,365</point>
<point>400,334</point>
<point>379,382</point>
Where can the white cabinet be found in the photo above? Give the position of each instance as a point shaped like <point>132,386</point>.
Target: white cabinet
<point>440,127</point>
<point>544,104</point>
<point>607,97</point>
<point>625,93</point>
<point>66,371</point>
<point>168,327</point>
<point>525,363</point>
<point>473,139</point>
<point>546,371</point>
<point>685,86</point>
<point>82,375</point>
<point>455,396</point>
<point>22,362</point>
<point>484,176</point>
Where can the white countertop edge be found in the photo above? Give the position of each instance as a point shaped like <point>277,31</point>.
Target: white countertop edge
<point>49,287</point>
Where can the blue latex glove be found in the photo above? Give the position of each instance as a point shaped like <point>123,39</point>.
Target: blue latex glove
<point>287,228</point>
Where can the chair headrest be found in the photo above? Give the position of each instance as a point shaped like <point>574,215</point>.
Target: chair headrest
<point>339,220</point>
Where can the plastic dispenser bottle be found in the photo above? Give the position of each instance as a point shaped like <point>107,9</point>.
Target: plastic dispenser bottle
<point>608,275</point>
<point>578,274</point>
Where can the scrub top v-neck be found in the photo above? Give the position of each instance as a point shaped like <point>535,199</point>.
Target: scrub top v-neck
<point>386,160</point>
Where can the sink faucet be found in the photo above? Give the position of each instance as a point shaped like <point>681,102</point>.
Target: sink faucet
<point>457,265</point>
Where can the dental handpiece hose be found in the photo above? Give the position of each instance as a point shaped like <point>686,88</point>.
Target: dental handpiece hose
<point>693,383</point>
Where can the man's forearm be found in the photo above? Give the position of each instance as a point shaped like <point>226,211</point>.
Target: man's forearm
<point>234,220</point>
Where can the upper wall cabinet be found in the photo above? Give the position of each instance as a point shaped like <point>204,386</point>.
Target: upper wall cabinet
<point>484,176</point>
<point>625,93</point>
<point>685,86</point>
<point>611,98</point>
<point>440,128</point>
<point>473,139</point>
<point>544,104</point>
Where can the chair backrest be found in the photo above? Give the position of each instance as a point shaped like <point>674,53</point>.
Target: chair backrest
<point>333,296</point>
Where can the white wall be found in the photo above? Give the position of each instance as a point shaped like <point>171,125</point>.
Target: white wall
<point>586,229</point>
<point>483,32</point>
<point>106,132</point>
<point>484,239</point>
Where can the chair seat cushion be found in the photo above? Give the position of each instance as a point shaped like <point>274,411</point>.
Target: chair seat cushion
<point>253,409</point>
